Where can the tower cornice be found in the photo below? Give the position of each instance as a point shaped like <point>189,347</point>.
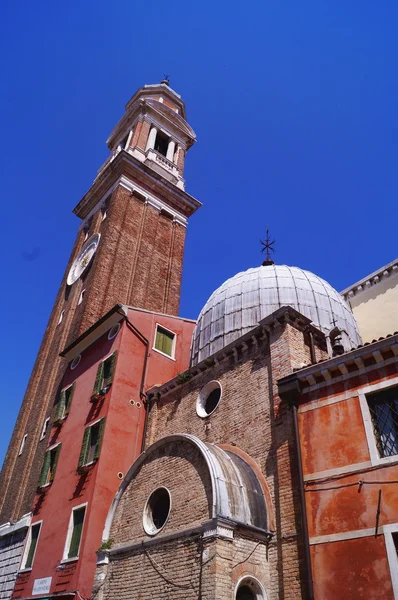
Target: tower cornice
<point>126,164</point>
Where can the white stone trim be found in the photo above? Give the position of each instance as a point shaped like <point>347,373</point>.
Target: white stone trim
<point>44,429</point>
<point>392,555</point>
<point>315,404</point>
<point>260,593</point>
<point>347,469</point>
<point>342,536</point>
<point>372,279</point>
<point>367,420</point>
<point>69,533</point>
<point>10,528</point>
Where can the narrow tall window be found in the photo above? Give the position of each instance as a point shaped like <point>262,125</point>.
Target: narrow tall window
<point>31,546</point>
<point>64,403</point>
<point>22,444</point>
<point>161,143</point>
<point>61,316</point>
<point>75,531</point>
<point>44,430</point>
<point>383,407</point>
<point>49,466</point>
<point>104,377</point>
<point>91,445</point>
<point>165,341</point>
<point>81,296</point>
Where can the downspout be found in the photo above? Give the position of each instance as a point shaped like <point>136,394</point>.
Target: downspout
<point>143,396</point>
<point>304,520</point>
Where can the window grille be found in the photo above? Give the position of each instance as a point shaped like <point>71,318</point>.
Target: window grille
<point>383,407</point>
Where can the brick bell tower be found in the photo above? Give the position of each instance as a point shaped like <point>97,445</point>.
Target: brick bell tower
<point>129,249</point>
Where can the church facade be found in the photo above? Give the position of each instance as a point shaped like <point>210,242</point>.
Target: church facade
<point>251,454</point>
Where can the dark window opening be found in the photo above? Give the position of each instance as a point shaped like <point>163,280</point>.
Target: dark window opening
<point>395,540</point>
<point>159,507</point>
<point>108,369</point>
<point>212,400</point>
<point>161,143</point>
<point>383,408</point>
<point>245,593</point>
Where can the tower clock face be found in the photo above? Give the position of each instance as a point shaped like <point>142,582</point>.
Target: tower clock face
<point>83,259</point>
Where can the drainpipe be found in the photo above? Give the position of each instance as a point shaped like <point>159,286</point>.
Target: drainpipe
<point>304,521</point>
<point>143,396</point>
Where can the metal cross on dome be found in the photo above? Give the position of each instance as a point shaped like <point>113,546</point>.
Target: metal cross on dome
<point>267,247</point>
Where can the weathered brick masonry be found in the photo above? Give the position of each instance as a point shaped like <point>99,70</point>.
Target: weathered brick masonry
<point>250,419</point>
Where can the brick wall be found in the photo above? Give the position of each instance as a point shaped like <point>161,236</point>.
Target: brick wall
<point>138,262</point>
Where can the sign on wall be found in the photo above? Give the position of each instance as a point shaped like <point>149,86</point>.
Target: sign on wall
<point>41,586</point>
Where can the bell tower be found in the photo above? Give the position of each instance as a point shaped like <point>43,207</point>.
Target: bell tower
<point>129,250</point>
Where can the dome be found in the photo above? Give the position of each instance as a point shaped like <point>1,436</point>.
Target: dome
<point>242,301</point>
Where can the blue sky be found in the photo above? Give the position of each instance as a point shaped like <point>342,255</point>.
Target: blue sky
<point>294,105</point>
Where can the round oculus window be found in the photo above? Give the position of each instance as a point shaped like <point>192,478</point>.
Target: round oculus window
<point>156,511</point>
<point>83,259</point>
<point>208,399</point>
<point>114,331</point>
<point>75,362</point>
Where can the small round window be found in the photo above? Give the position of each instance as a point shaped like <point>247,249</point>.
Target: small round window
<point>114,331</point>
<point>250,589</point>
<point>156,511</point>
<point>208,399</point>
<point>75,362</point>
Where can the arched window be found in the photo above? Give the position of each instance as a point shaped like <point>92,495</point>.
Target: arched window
<point>249,588</point>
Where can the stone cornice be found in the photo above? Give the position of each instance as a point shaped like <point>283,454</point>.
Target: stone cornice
<point>285,314</point>
<point>372,279</point>
<point>351,364</point>
<point>126,164</point>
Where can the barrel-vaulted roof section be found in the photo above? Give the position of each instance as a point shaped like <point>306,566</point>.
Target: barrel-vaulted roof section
<point>242,301</point>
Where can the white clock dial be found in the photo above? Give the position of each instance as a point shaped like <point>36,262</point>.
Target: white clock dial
<point>83,259</point>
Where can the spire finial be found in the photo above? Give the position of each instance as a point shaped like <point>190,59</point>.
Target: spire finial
<point>166,80</point>
<point>267,247</point>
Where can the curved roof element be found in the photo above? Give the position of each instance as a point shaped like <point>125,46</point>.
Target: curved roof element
<point>242,301</point>
<point>236,492</point>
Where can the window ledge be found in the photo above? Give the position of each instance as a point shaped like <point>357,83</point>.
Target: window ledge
<point>69,560</point>
<point>164,354</point>
<point>385,460</point>
<point>27,570</point>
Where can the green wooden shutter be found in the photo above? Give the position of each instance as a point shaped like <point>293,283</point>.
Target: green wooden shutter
<point>34,534</point>
<point>109,379</point>
<point>98,379</point>
<point>56,451</point>
<point>83,451</point>
<point>99,440</point>
<point>61,406</point>
<point>78,520</point>
<point>71,392</point>
<point>45,468</point>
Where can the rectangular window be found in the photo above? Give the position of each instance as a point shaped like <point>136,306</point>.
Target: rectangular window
<point>104,377</point>
<point>383,408</point>
<point>64,403</point>
<point>91,445</point>
<point>165,341</point>
<point>31,545</point>
<point>22,444</point>
<point>49,465</point>
<point>75,530</point>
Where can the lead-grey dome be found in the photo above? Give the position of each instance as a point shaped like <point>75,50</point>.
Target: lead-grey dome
<point>242,301</point>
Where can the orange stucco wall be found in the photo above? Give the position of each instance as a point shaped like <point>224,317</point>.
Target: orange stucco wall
<point>336,458</point>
